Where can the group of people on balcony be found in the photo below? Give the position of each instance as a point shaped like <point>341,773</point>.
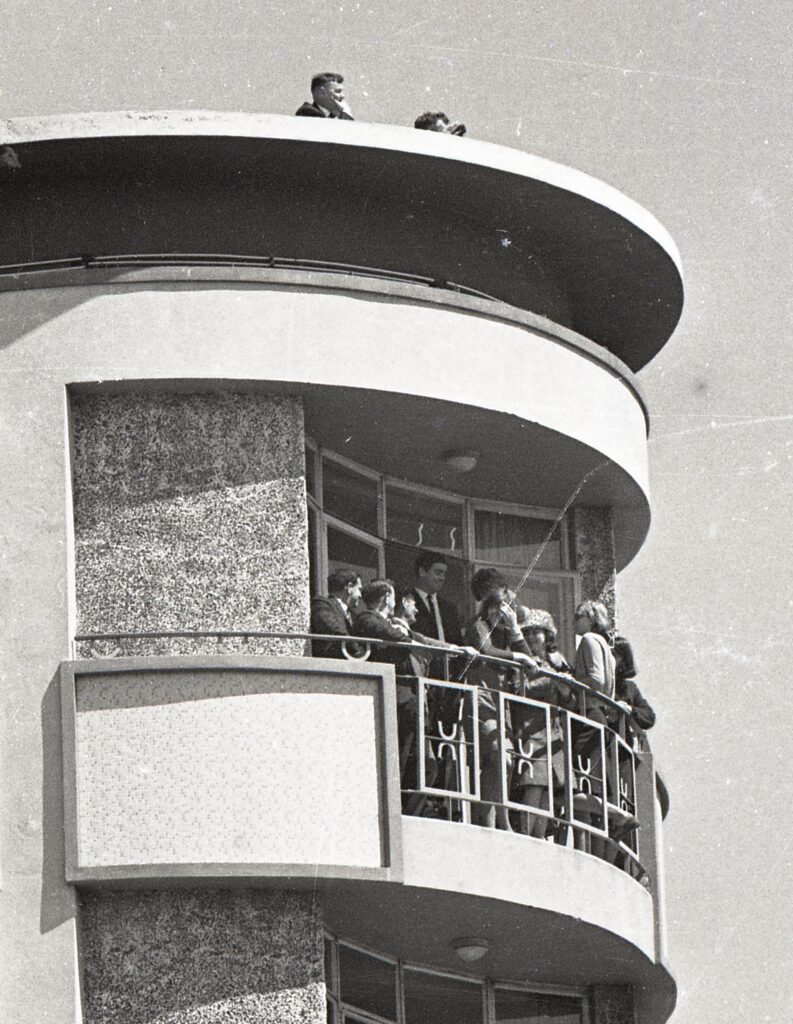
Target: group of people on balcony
<point>328,100</point>
<point>505,647</point>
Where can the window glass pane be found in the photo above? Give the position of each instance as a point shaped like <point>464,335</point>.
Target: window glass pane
<point>311,471</point>
<point>349,495</point>
<point>516,540</point>
<point>430,997</point>
<point>346,551</point>
<point>536,1008</point>
<point>313,553</point>
<point>420,520</point>
<point>330,976</point>
<point>367,983</point>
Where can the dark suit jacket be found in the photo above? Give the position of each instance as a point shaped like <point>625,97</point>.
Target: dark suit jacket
<point>425,620</point>
<point>641,713</point>
<point>372,625</point>
<point>312,110</point>
<point>327,617</point>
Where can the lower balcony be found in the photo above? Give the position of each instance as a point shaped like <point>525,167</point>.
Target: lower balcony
<point>295,772</point>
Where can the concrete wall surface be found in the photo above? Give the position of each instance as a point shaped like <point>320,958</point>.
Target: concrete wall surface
<point>183,769</point>
<point>536,874</point>
<point>248,332</point>
<point>202,957</point>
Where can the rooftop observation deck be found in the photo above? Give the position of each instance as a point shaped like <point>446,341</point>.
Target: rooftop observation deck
<point>114,189</point>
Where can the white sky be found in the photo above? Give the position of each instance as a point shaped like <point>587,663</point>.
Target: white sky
<point>686,107</point>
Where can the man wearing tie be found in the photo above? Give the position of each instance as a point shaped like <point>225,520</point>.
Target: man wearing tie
<point>331,615</point>
<point>434,616</point>
<point>327,98</point>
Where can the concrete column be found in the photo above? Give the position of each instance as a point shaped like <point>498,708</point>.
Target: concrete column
<point>190,514</point>
<point>244,956</point>
<point>593,539</point>
<point>612,1004</point>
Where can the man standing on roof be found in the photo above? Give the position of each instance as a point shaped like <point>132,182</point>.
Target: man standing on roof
<point>327,98</point>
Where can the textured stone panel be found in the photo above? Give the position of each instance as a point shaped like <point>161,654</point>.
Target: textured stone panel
<point>202,957</point>
<point>593,537</point>
<point>225,768</point>
<point>190,514</point>
<point>612,1004</point>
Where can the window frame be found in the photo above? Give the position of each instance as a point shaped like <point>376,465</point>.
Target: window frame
<point>353,467</point>
<point>488,987</point>
<point>547,515</point>
<point>467,555</point>
<point>431,492</point>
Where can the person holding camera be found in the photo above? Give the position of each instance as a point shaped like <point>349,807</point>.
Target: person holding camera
<point>439,122</point>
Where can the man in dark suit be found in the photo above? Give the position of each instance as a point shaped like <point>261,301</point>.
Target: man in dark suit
<point>331,615</point>
<point>327,98</point>
<point>434,616</point>
<point>373,622</point>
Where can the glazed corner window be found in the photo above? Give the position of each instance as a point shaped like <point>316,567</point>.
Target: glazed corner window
<point>350,496</point>
<point>442,1000</point>
<point>347,550</point>
<point>536,1008</point>
<point>311,472</point>
<point>423,521</point>
<point>505,539</point>
<point>367,983</point>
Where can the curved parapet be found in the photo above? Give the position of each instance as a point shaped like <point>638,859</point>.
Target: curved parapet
<point>391,374</point>
<point>520,229</point>
<point>285,771</point>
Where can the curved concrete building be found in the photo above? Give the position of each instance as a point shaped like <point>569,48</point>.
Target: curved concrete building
<point>238,353</point>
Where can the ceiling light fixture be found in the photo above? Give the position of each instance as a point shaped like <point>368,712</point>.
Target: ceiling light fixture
<point>461,461</point>
<point>470,949</point>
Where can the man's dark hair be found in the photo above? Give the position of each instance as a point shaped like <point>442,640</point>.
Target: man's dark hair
<point>374,592</point>
<point>339,579</point>
<point>402,596</point>
<point>324,78</point>
<point>485,580</point>
<point>428,120</point>
<point>427,559</point>
<point>493,598</point>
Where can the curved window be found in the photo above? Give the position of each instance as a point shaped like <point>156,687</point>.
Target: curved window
<point>378,525</point>
<point>368,988</point>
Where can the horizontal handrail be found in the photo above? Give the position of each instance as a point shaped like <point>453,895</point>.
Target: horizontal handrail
<point>169,259</point>
<point>599,788</point>
<point>584,692</point>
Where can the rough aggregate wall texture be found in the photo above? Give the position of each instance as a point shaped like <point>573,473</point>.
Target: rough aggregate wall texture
<point>190,513</point>
<point>612,1004</point>
<point>202,957</point>
<point>594,555</point>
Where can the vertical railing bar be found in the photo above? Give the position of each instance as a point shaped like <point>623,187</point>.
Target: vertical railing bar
<point>422,779</point>
<point>502,748</point>
<point>474,695</point>
<point>568,772</point>
<point>549,758</point>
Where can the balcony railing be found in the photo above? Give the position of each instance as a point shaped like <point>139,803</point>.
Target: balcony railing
<point>563,774</point>
<point>133,261</point>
